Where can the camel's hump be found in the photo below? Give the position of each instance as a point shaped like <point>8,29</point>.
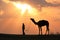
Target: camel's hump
<point>43,21</point>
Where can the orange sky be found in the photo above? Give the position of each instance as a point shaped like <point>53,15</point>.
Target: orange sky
<point>11,19</point>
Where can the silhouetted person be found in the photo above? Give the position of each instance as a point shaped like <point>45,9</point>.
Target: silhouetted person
<point>23,28</point>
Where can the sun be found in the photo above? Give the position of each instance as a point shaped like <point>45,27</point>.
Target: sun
<point>23,7</point>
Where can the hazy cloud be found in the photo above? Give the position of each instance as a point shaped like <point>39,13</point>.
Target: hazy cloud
<point>5,9</point>
<point>53,1</point>
<point>5,4</point>
<point>45,3</point>
<point>40,2</point>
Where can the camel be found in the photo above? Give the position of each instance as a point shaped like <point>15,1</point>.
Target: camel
<point>40,24</point>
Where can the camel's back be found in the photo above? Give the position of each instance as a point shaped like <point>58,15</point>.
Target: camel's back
<point>43,22</point>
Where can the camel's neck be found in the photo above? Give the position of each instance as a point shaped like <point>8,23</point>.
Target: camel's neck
<point>34,22</point>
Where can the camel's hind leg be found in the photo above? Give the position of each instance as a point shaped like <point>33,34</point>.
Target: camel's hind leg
<point>47,29</point>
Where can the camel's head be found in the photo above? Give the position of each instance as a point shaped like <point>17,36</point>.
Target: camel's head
<point>31,18</point>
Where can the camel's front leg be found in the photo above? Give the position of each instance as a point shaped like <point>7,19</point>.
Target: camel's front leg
<point>41,31</point>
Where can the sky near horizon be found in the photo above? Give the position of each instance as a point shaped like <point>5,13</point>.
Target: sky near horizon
<point>11,18</point>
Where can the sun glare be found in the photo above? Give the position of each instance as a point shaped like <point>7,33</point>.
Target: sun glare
<point>18,6</point>
<point>24,7</point>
